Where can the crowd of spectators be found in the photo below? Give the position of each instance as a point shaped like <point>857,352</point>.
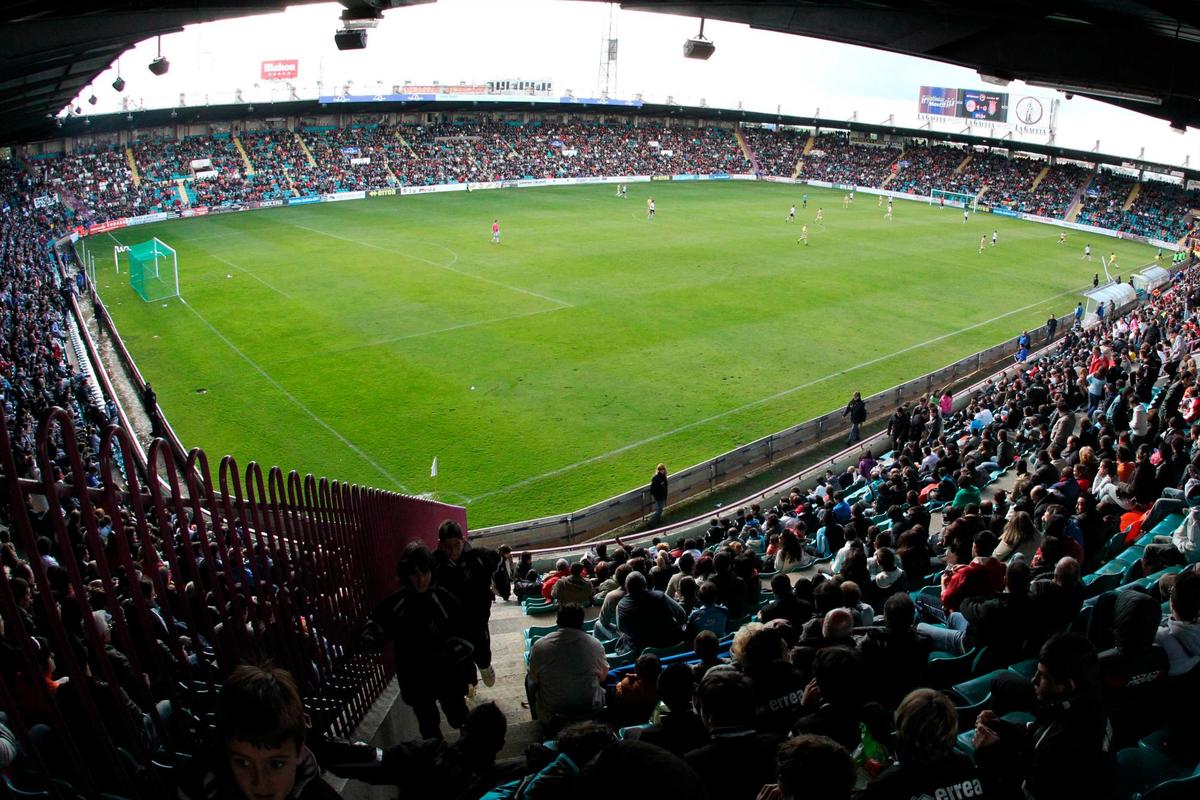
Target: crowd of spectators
<point>458,152</point>
<point>1099,434</point>
<point>927,167</point>
<point>1159,211</point>
<point>834,158</point>
<point>1104,198</point>
<point>778,151</point>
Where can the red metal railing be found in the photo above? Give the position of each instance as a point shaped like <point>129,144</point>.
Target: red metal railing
<point>196,578</point>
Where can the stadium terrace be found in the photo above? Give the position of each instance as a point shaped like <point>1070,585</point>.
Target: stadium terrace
<point>993,594</point>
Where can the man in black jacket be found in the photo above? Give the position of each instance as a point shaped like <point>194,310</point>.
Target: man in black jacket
<point>736,762</point>
<point>648,617</point>
<point>1065,751</point>
<point>433,659</point>
<point>466,572</point>
<point>856,409</point>
<point>658,491</point>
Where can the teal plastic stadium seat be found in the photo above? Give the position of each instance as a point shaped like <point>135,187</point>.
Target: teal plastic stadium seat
<point>1178,744</point>
<point>663,652</point>
<point>1168,525</point>
<point>1098,583</point>
<point>1026,669</point>
<point>535,632</point>
<point>1175,789</point>
<point>977,690</point>
<point>944,669</point>
<point>1113,567</point>
<point>1131,555</point>
<point>1137,770</point>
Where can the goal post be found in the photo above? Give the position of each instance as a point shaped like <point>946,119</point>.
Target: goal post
<point>956,199</point>
<point>153,270</point>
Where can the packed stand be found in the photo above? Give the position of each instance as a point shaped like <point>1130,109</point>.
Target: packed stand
<point>1007,178</point>
<point>835,159</point>
<point>778,152</point>
<point>1159,210</point>
<point>457,152</point>
<point>927,167</point>
<point>1104,198</point>
<point>336,150</point>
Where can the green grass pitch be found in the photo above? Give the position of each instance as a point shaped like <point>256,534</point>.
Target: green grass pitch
<point>359,340</point>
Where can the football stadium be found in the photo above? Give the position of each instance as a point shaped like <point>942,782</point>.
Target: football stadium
<point>371,429</point>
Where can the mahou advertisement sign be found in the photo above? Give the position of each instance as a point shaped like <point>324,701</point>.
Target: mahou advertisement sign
<point>280,69</point>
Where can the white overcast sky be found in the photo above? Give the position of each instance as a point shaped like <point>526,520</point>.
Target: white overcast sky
<point>479,40</point>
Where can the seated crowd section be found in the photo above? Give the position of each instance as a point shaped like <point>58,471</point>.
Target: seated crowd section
<point>1044,641</point>
<point>326,159</point>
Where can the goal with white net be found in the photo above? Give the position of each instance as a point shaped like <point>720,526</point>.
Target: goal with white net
<point>938,197</point>
<point>153,269</point>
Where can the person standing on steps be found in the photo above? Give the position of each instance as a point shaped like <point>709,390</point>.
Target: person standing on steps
<point>658,491</point>
<point>430,631</point>
<point>856,409</point>
<point>466,572</point>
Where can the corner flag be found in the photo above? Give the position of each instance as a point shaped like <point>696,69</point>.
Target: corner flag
<point>433,468</point>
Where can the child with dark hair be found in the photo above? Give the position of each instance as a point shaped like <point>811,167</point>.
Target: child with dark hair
<point>262,727</point>
<point>675,724</point>
<point>637,693</point>
<point>711,615</point>
<point>707,647</point>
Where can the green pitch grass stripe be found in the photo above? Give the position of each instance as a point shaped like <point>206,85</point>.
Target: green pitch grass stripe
<point>295,400</point>
<point>448,267</point>
<point>761,400</point>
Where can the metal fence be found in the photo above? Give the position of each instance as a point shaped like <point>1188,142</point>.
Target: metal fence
<point>197,570</point>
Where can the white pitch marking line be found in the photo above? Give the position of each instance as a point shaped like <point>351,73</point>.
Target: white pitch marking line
<point>296,401</point>
<point>447,267</point>
<point>227,262</point>
<point>755,403</point>
<point>420,334</point>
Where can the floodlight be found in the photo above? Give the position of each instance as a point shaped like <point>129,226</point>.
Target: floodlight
<point>160,65</point>
<point>699,47</point>
<point>92,100</point>
<point>347,39</point>
<point>119,84</point>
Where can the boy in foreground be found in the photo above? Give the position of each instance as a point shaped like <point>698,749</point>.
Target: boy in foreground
<point>260,753</point>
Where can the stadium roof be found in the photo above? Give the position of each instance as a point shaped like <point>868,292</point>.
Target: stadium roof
<point>50,50</point>
<point>1115,50</point>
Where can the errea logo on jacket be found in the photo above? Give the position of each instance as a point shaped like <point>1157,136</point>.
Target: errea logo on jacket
<point>956,791</point>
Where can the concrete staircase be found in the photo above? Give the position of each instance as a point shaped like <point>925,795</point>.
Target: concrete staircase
<point>181,188</point>
<point>312,162</point>
<point>962,165</point>
<point>133,170</point>
<point>291,184</point>
<point>810,144</point>
<point>245,156</point>
<point>1077,199</point>
<point>407,146</point>
<point>1133,195</point>
<point>893,171</point>
<point>747,151</point>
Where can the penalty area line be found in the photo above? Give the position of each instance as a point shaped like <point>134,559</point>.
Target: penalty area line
<point>755,403</point>
<point>295,400</point>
